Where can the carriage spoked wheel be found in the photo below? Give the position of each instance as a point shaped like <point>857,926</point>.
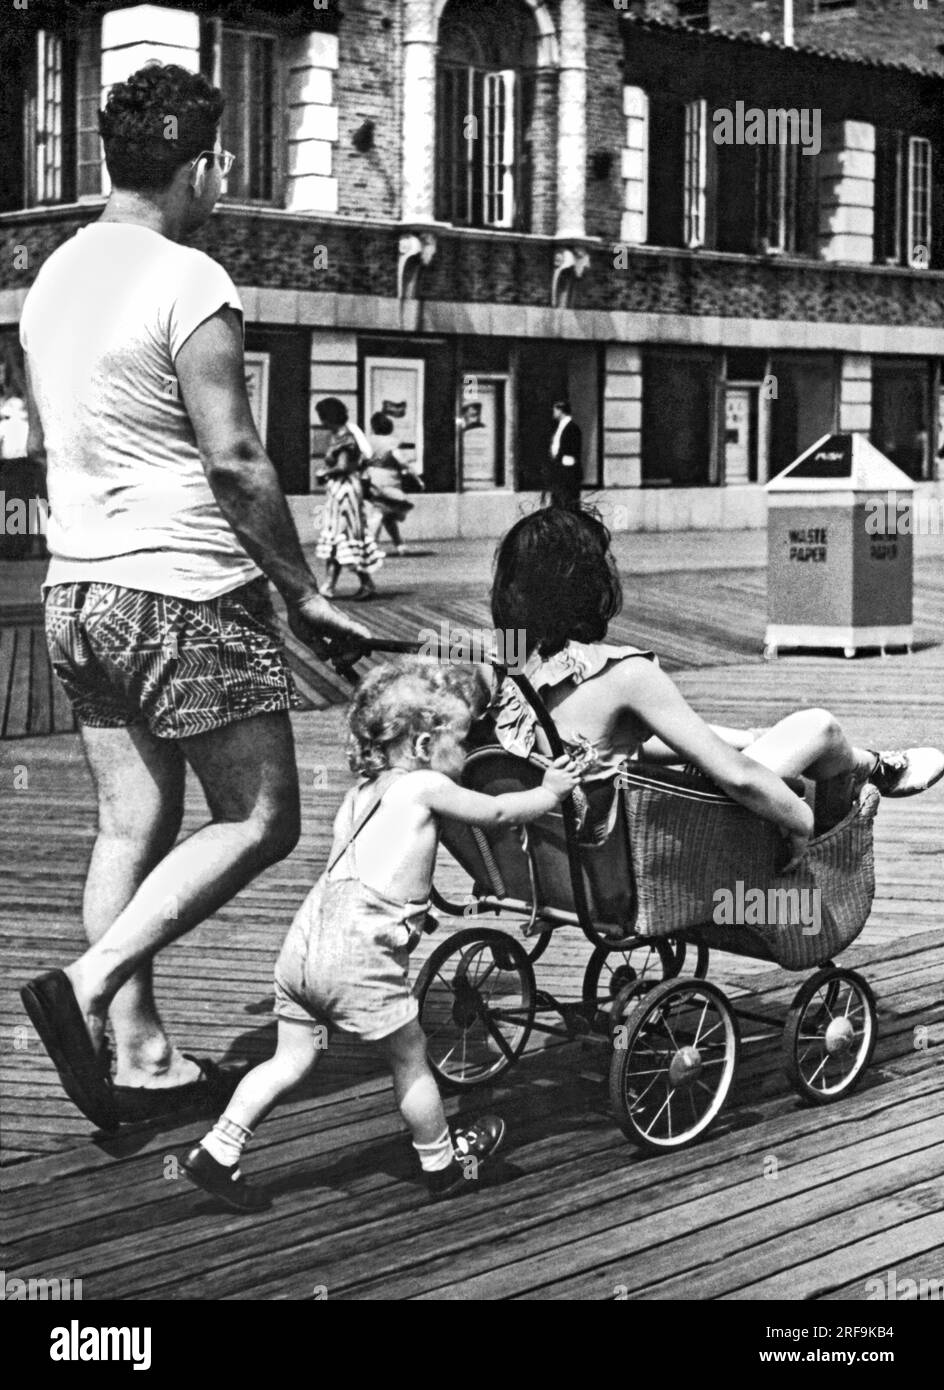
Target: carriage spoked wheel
<point>610,969</point>
<point>830,1035</point>
<point>699,957</point>
<point>674,1057</point>
<point>476,1005</point>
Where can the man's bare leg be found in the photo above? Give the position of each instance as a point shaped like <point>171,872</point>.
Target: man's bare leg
<point>248,775</point>
<point>139,780</point>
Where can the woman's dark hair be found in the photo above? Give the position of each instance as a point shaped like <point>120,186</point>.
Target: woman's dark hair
<point>381,423</point>
<point>160,118</point>
<point>556,578</point>
<point>332,412</point>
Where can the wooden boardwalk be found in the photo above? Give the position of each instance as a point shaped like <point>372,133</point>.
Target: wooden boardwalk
<point>778,1201</point>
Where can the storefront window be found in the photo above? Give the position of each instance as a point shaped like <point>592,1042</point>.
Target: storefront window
<point>677,406</point>
<point>901,413</point>
<point>548,371</point>
<point>803,391</point>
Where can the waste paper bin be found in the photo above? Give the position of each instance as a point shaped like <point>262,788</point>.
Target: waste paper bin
<point>840,559</point>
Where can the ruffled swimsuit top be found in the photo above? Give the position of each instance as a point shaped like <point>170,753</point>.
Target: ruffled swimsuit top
<point>517,728</point>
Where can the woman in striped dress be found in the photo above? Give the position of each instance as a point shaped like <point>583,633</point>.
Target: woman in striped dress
<point>345,541</point>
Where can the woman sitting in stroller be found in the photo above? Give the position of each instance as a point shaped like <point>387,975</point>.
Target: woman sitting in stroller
<point>556,579</point>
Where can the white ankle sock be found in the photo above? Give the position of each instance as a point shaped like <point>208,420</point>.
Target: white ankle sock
<point>226,1141</point>
<point>435,1156</point>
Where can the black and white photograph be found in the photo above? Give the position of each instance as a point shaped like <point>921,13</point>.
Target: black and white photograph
<point>472,670</point>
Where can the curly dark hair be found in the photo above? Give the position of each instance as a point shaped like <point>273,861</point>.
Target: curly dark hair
<point>555,577</point>
<point>160,118</point>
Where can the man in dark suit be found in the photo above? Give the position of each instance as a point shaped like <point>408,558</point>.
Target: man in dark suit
<point>563,473</point>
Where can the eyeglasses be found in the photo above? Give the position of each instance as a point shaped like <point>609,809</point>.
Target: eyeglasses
<point>226,159</point>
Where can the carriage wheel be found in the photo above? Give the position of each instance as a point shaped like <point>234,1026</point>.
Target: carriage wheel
<point>535,946</point>
<point>476,1005</point>
<point>674,1060</point>
<point>647,963</point>
<point>830,1035</point>
<point>679,948</point>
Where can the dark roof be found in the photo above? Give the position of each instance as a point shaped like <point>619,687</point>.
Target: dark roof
<point>746,36</point>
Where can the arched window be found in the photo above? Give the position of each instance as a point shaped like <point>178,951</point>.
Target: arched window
<point>484,110</point>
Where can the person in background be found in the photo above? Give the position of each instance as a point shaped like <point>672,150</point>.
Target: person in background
<point>389,478</point>
<point>345,541</point>
<point>563,475</point>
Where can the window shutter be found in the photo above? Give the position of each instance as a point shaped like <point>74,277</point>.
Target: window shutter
<point>49,78</point>
<point>635,161</point>
<point>918,249</point>
<point>889,196</point>
<point>498,148</point>
<point>696,171</point>
<point>88,98</point>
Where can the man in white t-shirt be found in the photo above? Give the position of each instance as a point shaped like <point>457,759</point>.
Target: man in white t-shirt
<point>166,517</point>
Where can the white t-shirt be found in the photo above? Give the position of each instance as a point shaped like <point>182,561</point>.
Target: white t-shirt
<point>129,502</point>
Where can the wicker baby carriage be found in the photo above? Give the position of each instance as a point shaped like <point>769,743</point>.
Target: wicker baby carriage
<point>649,868</point>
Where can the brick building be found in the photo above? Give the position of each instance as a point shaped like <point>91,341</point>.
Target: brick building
<point>461,209</point>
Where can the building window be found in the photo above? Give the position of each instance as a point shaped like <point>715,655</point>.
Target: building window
<point>805,406</point>
<point>787,193</point>
<point>901,412</point>
<point>88,85</point>
<point>49,100</point>
<point>902,199</point>
<point>243,64</point>
<point>667,162</point>
<point>696,172</point>
<point>678,394</point>
<point>484,108</point>
<point>889,195</point>
<point>918,245</point>
<point>48,184</point>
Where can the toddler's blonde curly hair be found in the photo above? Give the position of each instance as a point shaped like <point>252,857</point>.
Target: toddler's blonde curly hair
<point>402,698</point>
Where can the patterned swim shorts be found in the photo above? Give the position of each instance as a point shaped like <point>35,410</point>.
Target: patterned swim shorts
<point>125,657</point>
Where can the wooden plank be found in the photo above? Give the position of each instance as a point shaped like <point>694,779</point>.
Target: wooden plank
<point>17,718</point>
<point>349,1210</point>
<point>925,1270</point>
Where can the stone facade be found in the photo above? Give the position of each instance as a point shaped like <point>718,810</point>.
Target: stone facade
<point>325,261</point>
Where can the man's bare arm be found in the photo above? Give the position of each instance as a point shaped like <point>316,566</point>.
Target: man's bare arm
<point>211,373</point>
